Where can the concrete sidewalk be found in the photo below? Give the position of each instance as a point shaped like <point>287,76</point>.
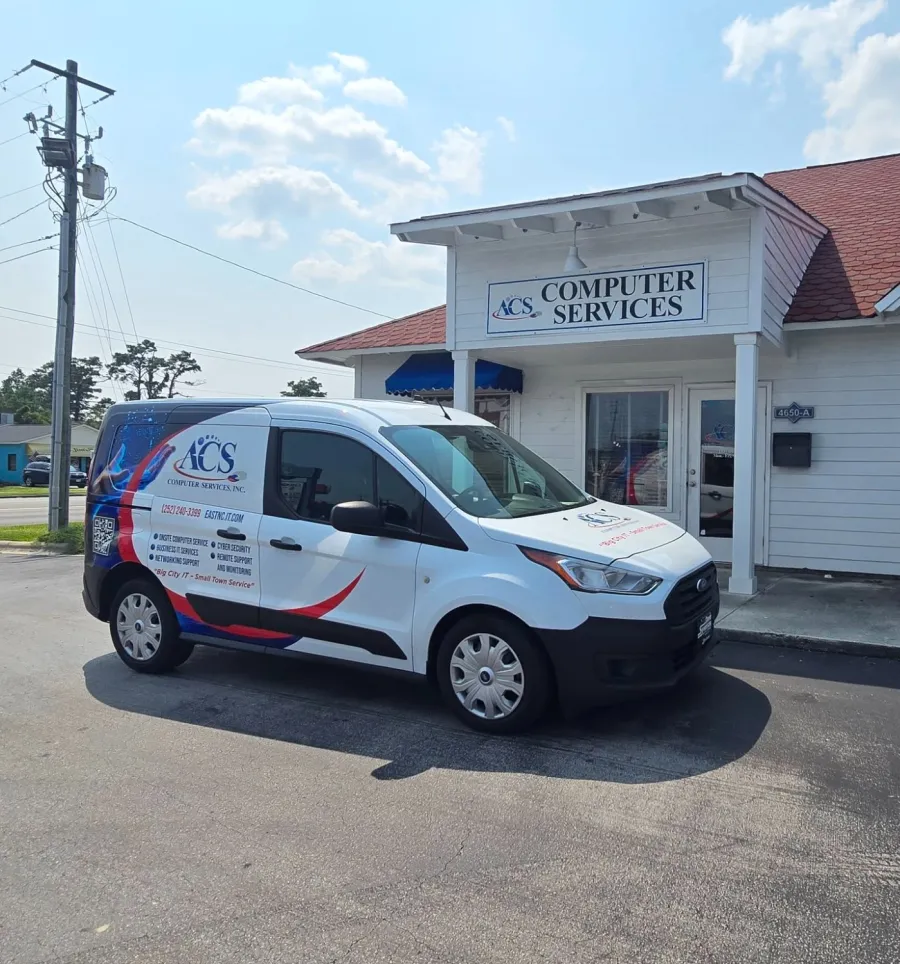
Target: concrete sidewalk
<point>840,613</point>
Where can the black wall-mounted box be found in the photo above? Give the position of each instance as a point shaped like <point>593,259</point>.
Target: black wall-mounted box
<point>792,450</point>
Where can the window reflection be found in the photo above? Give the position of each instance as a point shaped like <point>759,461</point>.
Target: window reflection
<point>628,447</point>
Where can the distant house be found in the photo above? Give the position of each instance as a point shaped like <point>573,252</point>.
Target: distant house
<point>19,444</point>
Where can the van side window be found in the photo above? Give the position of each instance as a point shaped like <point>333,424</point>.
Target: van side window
<point>402,504</point>
<point>318,471</point>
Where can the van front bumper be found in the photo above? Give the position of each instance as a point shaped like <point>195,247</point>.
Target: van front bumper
<point>605,661</point>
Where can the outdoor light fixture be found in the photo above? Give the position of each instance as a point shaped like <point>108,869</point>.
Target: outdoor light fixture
<point>56,152</point>
<point>573,262</point>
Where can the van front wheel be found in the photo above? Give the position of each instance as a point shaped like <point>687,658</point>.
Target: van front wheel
<point>493,675</point>
<point>144,629</point>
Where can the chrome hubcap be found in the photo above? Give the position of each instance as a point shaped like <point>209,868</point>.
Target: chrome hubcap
<point>487,676</point>
<point>139,626</point>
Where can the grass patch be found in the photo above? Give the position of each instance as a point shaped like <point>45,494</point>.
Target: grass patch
<point>72,536</point>
<point>22,533</point>
<point>31,492</point>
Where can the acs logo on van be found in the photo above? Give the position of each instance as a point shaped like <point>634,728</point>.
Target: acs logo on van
<point>209,459</point>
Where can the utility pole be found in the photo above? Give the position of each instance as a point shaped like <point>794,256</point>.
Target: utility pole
<point>62,153</point>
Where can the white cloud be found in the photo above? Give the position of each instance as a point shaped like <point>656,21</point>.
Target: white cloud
<point>269,231</point>
<point>297,149</point>
<point>266,192</point>
<point>508,128</point>
<point>323,75</point>
<point>398,200</point>
<point>273,91</point>
<point>343,133</point>
<point>376,90</point>
<point>862,105</point>
<point>390,262</point>
<point>817,35</point>
<point>858,79</point>
<point>357,65</point>
<point>460,152</point>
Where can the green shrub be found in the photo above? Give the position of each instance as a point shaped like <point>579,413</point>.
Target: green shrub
<point>72,536</point>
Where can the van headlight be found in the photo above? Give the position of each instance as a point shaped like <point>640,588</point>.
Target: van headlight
<point>592,576</point>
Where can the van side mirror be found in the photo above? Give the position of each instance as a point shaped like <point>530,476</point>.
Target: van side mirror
<point>362,518</point>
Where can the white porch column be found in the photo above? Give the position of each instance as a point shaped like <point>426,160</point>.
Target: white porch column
<point>464,381</point>
<point>743,542</point>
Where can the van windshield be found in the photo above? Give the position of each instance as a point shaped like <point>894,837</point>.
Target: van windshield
<point>484,471</point>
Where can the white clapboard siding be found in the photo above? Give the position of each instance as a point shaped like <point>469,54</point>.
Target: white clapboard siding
<point>375,369</point>
<point>787,252</point>
<point>722,240</point>
<point>842,513</point>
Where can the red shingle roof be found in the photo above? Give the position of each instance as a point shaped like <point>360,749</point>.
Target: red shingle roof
<point>422,328</point>
<point>854,265</point>
<point>858,261</point>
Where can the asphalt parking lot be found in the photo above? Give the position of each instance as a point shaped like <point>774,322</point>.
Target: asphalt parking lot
<point>251,809</point>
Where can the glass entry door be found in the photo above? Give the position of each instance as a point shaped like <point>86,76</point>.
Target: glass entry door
<point>710,482</point>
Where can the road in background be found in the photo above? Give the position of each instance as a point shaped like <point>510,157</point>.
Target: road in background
<point>31,511</point>
<point>253,809</point>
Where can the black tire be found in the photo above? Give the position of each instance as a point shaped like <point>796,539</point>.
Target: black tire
<point>171,650</point>
<point>28,481</point>
<point>536,674</point>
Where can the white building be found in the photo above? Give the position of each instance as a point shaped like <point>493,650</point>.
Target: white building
<point>722,351</point>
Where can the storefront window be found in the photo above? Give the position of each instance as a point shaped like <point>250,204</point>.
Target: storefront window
<point>492,408</point>
<point>627,458</point>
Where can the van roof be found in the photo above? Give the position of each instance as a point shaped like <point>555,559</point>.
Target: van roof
<point>365,413</point>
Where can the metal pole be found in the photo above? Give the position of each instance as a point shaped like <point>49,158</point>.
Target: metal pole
<point>60,425</point>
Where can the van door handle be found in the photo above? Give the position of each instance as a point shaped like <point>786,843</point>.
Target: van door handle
<point>231,534</point>
<point>286,543</point>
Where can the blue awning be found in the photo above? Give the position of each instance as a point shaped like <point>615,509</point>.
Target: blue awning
<point>433,372</point>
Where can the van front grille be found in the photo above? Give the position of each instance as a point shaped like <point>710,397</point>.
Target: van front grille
<point>693,595</point>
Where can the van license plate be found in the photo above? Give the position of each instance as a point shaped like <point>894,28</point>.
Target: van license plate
<point>705,629</point>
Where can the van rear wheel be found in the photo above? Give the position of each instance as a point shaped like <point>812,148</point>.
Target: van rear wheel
<point>493,675</point>
<point>144,629</point>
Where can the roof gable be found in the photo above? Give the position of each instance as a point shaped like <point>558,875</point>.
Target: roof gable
<point>858,262</point>
<point>854,266</point>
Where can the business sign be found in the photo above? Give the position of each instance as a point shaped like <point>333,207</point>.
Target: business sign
<point>635,296</point>
<point>794,412</point>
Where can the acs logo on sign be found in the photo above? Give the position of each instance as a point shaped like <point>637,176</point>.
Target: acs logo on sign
<point>512,308</point>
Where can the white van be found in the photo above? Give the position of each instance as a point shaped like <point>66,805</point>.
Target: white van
<point>392,534</point>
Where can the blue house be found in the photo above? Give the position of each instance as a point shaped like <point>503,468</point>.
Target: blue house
<point>19,444</point>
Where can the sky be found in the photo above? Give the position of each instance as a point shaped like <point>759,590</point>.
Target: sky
<point>287,136</point>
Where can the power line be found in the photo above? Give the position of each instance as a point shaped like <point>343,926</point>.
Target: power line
<point>43,83</point>
<point>121,275</point>
<point>21,190</point>
<point>21,70</point>
<point>92,240</point>
<point>9,140</point>
<point>21,244</point>
<point>21,213</point>
<point>28,254</point>
<point>243,267</point>
<point>202,350</point>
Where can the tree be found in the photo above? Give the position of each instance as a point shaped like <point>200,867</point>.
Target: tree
<point>96,412</point>
<point>304,388</point>
<point>19,396</point>
<point>84,376</point>
<point>150,375</point>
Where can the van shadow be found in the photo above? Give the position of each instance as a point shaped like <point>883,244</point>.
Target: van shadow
<point>711,720</point>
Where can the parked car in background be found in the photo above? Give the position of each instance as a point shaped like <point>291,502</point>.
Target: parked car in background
<point>38,473</point>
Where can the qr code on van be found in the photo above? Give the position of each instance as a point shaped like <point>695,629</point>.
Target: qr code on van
<point>102,534</point>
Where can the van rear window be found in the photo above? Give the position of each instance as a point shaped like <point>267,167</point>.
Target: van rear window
<point>129,445</point>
